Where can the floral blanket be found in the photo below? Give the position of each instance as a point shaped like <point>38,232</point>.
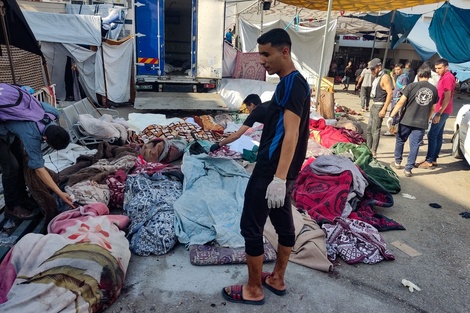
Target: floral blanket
<point>79,266</point>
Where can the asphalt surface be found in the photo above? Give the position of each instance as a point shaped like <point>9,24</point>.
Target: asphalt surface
<point>440,265</point>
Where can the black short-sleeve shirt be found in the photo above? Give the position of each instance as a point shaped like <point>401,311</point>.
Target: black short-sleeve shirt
<point>421,96</point>
<point>293,94</point>
<point>257,115</point>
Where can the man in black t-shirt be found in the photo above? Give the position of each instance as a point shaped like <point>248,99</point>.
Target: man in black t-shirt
<point>416,106</point>
<point>280,156</point>
<point>252,102</point>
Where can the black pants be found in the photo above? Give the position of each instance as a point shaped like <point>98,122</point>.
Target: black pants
<point>11,162</point>
<point>256,211</point>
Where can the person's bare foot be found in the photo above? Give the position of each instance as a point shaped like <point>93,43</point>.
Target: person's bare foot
<point>248,294</point>
<point>276,286</point>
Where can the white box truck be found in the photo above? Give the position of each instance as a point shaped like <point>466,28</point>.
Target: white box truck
<point>179,44</point>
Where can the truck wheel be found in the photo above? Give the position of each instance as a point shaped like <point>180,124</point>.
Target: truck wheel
<point>456,152</point>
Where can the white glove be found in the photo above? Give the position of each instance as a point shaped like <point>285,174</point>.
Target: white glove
<point>411,287</point>
<point>389,122</point>
<point>276,193</point>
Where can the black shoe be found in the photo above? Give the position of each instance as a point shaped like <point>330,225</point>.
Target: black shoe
<point>18,213</point>
<point>28,203</point>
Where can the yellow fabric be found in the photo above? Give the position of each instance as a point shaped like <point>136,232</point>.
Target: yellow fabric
<point>358,5</point>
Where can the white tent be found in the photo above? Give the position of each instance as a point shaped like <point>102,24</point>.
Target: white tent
<point>67,35</point>
<point>306,44</point>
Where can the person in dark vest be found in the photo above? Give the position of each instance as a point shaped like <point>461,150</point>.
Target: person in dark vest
<point>18,133</point>
<point>381,94</point>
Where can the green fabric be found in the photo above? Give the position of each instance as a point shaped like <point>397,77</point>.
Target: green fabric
<point>379,173</point>
<point>250,155</point>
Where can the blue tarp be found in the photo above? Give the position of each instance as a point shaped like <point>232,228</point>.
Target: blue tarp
<point>450,30</point>
<point>402,25</point>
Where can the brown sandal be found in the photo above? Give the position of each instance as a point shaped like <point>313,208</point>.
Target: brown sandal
<point>425,164</point>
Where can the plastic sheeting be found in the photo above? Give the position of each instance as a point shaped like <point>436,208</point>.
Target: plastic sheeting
<point>402,24</point>
<point>113,17</point>
<point>450,30</point>
<point>426,48</point>
<point>420,40</point>
<point>306,45</point>
<point>230,58</point>
<point>234,91</point>
<point>56,57</point>
<point>118,64</point>
<point>65,37</point>
<point>65,28</point>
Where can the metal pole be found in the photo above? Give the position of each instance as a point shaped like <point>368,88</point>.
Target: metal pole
<point>388,38</point>
<point>7,41</point>
<point>105,99</point>
<point>373,46</point>
<point>322,57</point>
<point>262,11</point>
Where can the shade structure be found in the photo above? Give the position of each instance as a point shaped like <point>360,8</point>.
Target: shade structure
<point>450,30</point>
<point>358,5</point>
<point>18,31</point>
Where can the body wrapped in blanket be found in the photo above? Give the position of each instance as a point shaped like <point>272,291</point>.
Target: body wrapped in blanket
<point>79,266</point>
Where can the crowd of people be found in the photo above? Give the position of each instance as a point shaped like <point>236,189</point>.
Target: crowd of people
<point>415,102</point>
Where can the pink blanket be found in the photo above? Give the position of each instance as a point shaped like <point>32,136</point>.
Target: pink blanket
<point>248,66</point>
<point>79,266</point>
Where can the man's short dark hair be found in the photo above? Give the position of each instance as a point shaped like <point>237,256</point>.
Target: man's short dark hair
<point>57,137</point>
<point>442,61</point>
<point>399,65</point>
<point>424,71</point>
<point>252,98</point>
<point>277,37</point>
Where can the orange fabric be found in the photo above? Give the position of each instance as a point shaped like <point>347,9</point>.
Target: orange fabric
<point>358,5</point>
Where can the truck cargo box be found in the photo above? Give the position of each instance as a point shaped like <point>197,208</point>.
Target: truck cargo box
<point>179,44</point>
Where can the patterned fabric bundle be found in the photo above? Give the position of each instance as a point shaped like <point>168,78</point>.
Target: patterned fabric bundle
<point>355,241</point>
<point>148,202</point>
<point>181,130</point>
<point>217,255</point>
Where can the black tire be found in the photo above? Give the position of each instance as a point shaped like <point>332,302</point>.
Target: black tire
<point>456,152</point>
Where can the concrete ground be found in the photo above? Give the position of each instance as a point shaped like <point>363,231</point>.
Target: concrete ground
<point>438,263</point>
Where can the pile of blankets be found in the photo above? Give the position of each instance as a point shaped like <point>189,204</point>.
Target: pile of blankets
<point>81,263</point>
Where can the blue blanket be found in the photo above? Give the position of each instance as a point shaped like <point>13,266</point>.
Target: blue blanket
<point>212,201</point>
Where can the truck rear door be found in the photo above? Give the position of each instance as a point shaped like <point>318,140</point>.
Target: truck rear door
<point>149,23</point>
<point>209,41</point>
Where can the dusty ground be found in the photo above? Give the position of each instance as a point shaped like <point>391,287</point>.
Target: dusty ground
<point>170,283</point>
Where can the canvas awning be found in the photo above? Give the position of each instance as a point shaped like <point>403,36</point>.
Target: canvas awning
<point>18,31</point>
<point>358,5</point>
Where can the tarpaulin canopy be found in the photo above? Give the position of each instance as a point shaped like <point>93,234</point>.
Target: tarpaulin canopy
<point>65,28</point>
<point>402,24</point>
<point>420,40</point>
<point>450,30</point>
<point>358,5</point>
<point>310,18</point>
<point>305,55</point>
<point>18,31</point>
